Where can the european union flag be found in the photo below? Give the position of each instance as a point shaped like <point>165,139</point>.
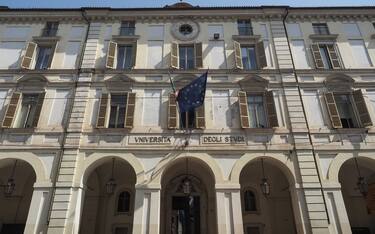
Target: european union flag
<point>192,95</point>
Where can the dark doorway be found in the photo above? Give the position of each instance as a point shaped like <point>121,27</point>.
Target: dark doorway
<point>185,215</point>
<point>12,228</point>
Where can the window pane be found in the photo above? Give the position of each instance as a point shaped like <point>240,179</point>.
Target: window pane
<point>244,27</point>
<point>249,57</point>
<point>256,111</point>
<point>117,111</point>
<point>123,204</point>
<point>186,57</point>
<point>43,57</point>
<point>250,203</point>
<point>320,29</point>
<point>125,57</point>
<point>187,119</point>
<point>27,112</point>
<point>325,57</point>
<point>345,108</point>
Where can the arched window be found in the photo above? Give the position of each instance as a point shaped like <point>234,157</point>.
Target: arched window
<point>249,200</point>
<point>123,202</point>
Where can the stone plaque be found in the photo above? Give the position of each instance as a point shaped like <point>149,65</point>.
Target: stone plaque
<point>150,140</point>
<point>223,139</point>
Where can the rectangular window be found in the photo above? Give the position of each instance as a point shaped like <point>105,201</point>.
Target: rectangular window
<point>360,54</point>
<point>244,27</point>
<point>257,113</point>
<point>299,54</point>
<point>13,52</point>
<point>248,57</point>
<point>351,30</point>
<point>253,230</point>
<point>117,111</point>
<point>125,57</point>
<point>217,54</point>
<point>294,30</point>
<point>127,28</point>
<point>187,58</point>
<point>50,29</point>
<point>221,108</point>
<point>321,29</point>
<point>151,107</point>
<point>346,111</point>
<point>44,56</point>
<point>155,54</point>
<point>121,230</point>
<point>325,56</point>
<point>187,119</point>
<point>27,112</point>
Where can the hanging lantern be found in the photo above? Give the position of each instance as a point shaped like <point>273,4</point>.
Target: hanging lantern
<point>9,187</point>
<point>362,186</point>
<point>265,186</point>
<point>186,186</point>
<point>111,184</point>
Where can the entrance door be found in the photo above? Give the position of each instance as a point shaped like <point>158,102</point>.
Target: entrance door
<point>185,215</point>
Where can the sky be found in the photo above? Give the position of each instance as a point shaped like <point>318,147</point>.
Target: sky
<point>161,3</point>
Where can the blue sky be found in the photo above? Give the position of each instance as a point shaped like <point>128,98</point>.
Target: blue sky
<point>160,3</point>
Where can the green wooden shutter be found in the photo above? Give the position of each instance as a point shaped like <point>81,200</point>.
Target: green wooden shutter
<point>175,59</point>
<point>172,111</point>
<point>271,110</point>
<point>360,103</point>
<point>102,111</point>
<point>11,110</point>
<point>237,55</point>
<point>130,109</point>
<point>111,55</point>
<point>29,55</point>
<point>198,55</point>
<point>317,56</point>
<point>244,112</point>
<point>38,110</point>
<point>332,110</point>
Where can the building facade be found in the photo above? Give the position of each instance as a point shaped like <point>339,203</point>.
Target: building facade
<point>91,139</point>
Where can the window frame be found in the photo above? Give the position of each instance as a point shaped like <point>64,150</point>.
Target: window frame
<point>258,225</point>
<point>256,197</point>
<point>132,55</point>
<point>246,25</point>
<point>356,121</point>
<point>117,114</point>
<point>37,53</point>
<point>19,107</point>
<point>127,28</point>
<point>50,29</point>
<point>131,202</point>
<point>320,28</point>
<point>246,45</point>
<point>263,95</point>
<point>186,46</point>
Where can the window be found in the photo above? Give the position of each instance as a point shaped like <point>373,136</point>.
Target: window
<point>326,56</point>
<point>186,29</point>
<point>125,57</point>
<point>248,57</point>
<point>256,111</point>
<point>186,53</point>
<point>121,230</point>
<point>28,112</point>
<point>321,29</point>
<point>253,230</point>
<point>244,27</point>
<point>249,201</point>
<point>117,111</point>
<point>44,57</point>
<point>187,119</point>
<point>127,28</point>
<point>345,109</point>
<point>123,202</point>
<point>50,29</point>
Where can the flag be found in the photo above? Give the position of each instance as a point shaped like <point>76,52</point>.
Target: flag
<point>192,95</point>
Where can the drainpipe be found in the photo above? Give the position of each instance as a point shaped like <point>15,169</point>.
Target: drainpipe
<point>304,112</point>
<point>65,128</point>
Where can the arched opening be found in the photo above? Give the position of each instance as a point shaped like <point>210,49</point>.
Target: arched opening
<point>108,205</point>
<point>360,208</point>
<point>17,179</point>
<point>265,198</point>
<point>188,199</point>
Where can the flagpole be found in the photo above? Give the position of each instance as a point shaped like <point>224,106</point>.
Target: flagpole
<point>174,91</point>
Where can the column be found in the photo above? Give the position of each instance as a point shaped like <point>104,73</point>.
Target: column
<point>38,211</point>
<point>337,211</point>
<point>147,210</point>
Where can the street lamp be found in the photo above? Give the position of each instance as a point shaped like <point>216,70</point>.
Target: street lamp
<point>111,183</point>
<point>10,186</point>
<point>264,185</point>
<point>361,182</point>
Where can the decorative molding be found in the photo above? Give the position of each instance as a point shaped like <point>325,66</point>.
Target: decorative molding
<point>247,38</point>
<point>319,37</point>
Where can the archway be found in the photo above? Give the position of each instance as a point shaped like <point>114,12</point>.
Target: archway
<point>359,208</point>
<point>17,179</point>
<point>188,199</point>
<point>108,205</point>
<point>266,209</point>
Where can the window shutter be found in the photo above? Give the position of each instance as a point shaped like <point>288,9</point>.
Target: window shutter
<point>237,55</point>
<point>29,55</point>
<point>244,112</point>
<point>200,117</point>
<point>111,55</point>
<point>134,54</point>
<point>130,108</point>
<point>332,110</point>
<point>333,56</point>
<point>102,112</point>
<point>11,110</point>
<point>262,60</point>
<point>271,110</point>
<point>175,58</point>
<point>198,55</point>
<point>317,56</point>
<point>38,109</point>
<point>172,111</point>
<point>361,106</point>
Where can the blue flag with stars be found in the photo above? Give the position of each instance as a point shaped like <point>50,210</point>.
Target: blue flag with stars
<point>192,95</point>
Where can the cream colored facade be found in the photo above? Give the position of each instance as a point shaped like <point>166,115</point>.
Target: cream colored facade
<point>61,165</point>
